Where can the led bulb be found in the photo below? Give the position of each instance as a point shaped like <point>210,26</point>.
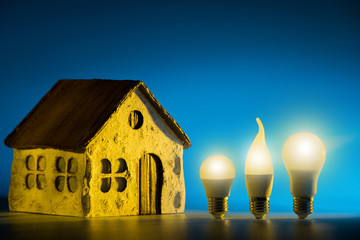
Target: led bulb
<point>217,174</point>
<point>304,156</point>
<point>259,175</point>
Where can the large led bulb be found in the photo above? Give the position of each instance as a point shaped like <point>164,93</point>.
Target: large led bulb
<point>304,156</point>
<point>217,174</point>
<point>259,175</point>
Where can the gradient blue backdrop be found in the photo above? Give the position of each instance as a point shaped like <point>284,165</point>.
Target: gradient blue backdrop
<point>215,66</point>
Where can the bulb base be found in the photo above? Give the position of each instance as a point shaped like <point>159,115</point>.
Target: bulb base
<point>218,207</point>
<point>259,206</point>
<point>303,206</point>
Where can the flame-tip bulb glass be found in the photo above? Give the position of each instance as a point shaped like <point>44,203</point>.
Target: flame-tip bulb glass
<point>304,155</point>
<point>217,174</point>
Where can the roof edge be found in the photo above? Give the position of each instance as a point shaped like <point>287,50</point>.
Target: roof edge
<point>8,139</point>
<point>131,90</point>
<point>165,115</point>
<point>172,124</point>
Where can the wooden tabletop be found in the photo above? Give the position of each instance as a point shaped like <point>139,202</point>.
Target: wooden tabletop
<point>191,225</point>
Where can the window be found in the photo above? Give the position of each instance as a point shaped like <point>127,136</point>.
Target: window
<point>177,165</point>
<point>136,119</point>
<point>67,174</point>
<point>121,165</point>
<point>35,172</point>
<point>106,170</point>
<point>117,175</point>
<point>177,200</point>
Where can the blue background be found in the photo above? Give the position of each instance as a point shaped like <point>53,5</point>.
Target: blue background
<point>215,66</point>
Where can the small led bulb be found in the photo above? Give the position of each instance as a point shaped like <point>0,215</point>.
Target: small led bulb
<point>217,174</point>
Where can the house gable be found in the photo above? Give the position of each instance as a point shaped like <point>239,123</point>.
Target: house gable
<point>120,141</point>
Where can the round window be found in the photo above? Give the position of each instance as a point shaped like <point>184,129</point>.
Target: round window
<point>136,119</point>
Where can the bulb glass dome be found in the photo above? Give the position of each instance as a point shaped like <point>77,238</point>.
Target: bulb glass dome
<point>217,167</point>
<point>304,151</point>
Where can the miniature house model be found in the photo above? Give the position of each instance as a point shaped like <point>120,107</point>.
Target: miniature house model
<point>98,148</point>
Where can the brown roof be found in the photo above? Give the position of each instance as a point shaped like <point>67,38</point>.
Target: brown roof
<point>73,111</point>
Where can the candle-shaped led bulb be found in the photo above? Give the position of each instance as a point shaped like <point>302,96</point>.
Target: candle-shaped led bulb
<point>259,174</point>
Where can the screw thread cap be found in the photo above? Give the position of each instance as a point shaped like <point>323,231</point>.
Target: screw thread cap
<point>303,206</point>
<point>259,206</point>
<point>218,207</point>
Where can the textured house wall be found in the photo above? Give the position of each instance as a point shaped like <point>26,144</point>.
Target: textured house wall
<point>44,171</point>
<point>118,140</point>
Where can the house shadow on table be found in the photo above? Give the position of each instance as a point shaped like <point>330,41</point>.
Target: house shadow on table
<point>4,206</point>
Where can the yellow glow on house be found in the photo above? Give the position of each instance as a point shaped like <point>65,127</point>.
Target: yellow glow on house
<point>98,148</point>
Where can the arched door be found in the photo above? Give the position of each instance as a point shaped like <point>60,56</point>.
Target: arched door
<point>151,181</point>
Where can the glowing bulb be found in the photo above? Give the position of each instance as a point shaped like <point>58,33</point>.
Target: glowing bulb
<point>304,156</point>
<point>259,175</point>
<point>217,174</point>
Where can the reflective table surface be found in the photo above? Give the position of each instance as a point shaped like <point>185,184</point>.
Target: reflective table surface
<point>191,225</point>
